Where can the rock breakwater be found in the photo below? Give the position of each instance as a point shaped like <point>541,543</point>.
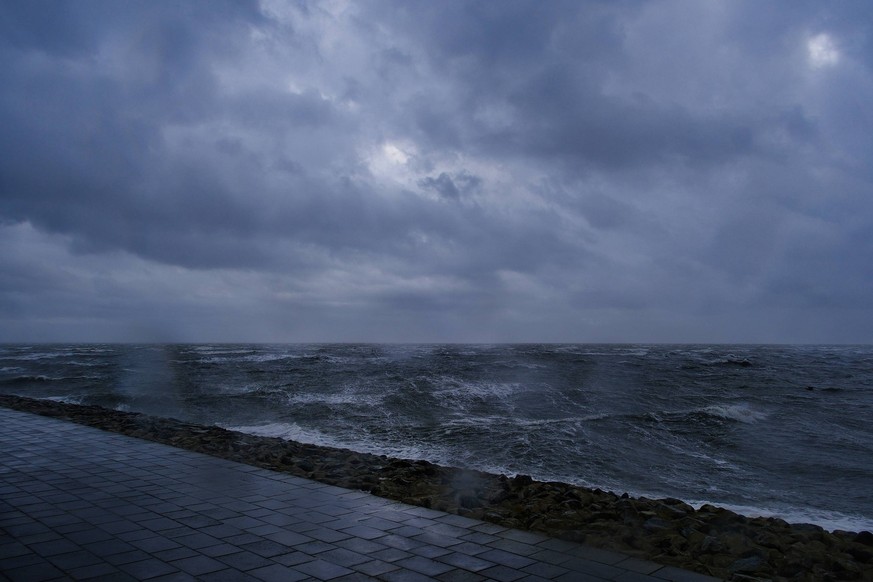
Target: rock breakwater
<point>709,540</point>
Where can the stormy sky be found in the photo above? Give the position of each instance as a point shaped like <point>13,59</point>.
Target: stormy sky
<point>481,171</point>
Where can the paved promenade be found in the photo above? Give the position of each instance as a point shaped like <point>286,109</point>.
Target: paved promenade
<point>79,503</point>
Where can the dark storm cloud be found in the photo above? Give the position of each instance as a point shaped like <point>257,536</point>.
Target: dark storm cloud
<point>82,142</point>
<point>548,71</point>
<point>438,170</point>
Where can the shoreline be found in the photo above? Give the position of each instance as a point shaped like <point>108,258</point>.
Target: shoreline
<point>709,540</point>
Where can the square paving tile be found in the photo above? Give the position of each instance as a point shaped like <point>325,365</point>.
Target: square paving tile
<point>78,559</point>
<point>266,548</point>
<point>322,570</point>
<point>428,551</point>
<point>219,550</point>
<point>343,557</point>
<point>466,562</point>
<point>197,565</point>
<point>93,571</point>
<point>292,558</point>
<point>503,573</point>
<point>244,561</point>
<point>404,575</point>
<point>515,547</point>
<point>505,558</point>
<point>148,568</point>
<point>460,576</point>
<point>375,567</point>
<point>34,573</point>
<point>424,565</point>
<point>155,544</point>
<point>288,538</point>
<point>277,573</point>
<point>54,547</point>
<point>545,570</point>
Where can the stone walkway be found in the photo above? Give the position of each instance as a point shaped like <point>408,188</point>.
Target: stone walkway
<point>79,503</point>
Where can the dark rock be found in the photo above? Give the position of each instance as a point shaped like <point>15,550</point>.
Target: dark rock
<point>655,524</point>
<point>710,544</point>
<point>808,528</point>
<point>521,481</point>
<point>862,555</point>
<point>750,564</point>
<point>864,537</point>
<point>469,501</point>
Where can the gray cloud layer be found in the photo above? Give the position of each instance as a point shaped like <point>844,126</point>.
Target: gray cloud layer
<point>436,171</point>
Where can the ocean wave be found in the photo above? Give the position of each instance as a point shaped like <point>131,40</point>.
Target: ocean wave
<point>741,412</point>
<point>249,357</point>
<point>38,356</point>
<point>342,399</point>
<point>256,358</point>
<point>69,399</point>
<point>292,431</point>
<point>34,357</point>
<point>528,423</point>
<point>829,520</point>
<point>29,379</point>
<point>89,364</point>
<point>512,364</point>
<point>249,391</point>
<point>285,430</point>
<point>693,451</point>
<point>447,386</point>
<point>220,350</point>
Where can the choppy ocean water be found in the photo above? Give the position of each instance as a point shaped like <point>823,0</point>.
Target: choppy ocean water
<point>763,430</point>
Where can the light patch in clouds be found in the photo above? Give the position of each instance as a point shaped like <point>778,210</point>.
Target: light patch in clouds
<point>822,51</point>
<point>395,154</point>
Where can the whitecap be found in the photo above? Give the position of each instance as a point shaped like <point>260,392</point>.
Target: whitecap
<point>346,397</point>
<point>285,430</point>
<point>65,399</point>
<point>741,412</point>
<point>291,431</point>
<point>829,520</point>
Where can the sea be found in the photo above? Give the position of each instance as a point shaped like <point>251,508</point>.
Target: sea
<point>764,430</point>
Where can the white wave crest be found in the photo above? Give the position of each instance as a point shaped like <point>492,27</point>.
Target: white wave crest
<point>741,412</point>
<point>247,356</point>
<point>285,430</point>
<point>291,431</point>
<point>346,397</point>
<point>65,399</point>
<point>829,520</point>
<point>453,389</point>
